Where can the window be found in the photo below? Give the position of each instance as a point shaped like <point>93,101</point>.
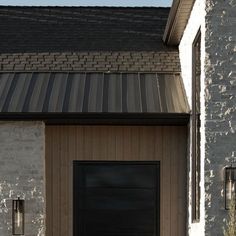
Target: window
<point>196,124</point>
<point>116,198</point>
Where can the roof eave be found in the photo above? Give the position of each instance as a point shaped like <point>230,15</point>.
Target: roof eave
<point>177,21</point>
<point>55,118</point>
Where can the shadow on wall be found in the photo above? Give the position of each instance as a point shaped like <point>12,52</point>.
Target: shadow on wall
<point>56,29</point>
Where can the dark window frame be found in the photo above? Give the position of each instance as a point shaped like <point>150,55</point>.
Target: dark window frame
<point>158,182</point>
<point>196,124</point>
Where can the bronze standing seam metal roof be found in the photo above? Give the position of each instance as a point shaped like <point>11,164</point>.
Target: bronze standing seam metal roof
<point>91,93</point>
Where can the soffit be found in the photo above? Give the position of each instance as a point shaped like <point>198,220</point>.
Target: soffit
<point>177,21</point>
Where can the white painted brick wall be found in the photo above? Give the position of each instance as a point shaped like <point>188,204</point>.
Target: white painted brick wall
<point>220,109</point>
<point>217,20</point>
<point>22,173</point>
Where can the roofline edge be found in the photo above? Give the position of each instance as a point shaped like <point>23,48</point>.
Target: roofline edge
<point>100,118</point>
<point>173,18</point>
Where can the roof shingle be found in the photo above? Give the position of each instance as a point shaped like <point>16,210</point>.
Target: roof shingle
<point>63,29</point>
<point>100,39</point>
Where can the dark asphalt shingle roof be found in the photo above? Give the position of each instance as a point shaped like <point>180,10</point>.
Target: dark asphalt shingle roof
<point>88,39</point>
<point>63,29</point>
<point>56,60</point>
<point>91,92</point>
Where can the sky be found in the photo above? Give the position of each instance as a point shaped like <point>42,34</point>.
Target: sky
<point>131,3</point>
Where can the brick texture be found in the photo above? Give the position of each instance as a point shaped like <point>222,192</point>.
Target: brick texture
<point>220,112</point>
<point>22,174</point>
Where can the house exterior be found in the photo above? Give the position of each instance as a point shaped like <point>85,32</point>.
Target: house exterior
<point>137,100</point>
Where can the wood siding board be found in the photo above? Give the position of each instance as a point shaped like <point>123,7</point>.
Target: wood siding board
<point>174,170</point>
<point>111,144</point>
<point>166,182</point>
<point>158,152</point>
<point>64,181</point>
<point>98,143</point>
<point>87,148</point>
<point>55,181</point>
<point>135,144</point>
<point>182,181</point>
<point>119,143</point>
<point>129,143</point>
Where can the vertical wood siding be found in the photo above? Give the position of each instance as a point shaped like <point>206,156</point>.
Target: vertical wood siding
<point>122,143</point>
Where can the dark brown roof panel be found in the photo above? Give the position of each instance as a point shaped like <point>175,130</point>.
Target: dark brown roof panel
<point>91,93</point>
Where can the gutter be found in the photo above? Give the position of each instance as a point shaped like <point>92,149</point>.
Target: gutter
<point>56,118</point>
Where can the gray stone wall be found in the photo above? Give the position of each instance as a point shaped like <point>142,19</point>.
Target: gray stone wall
<point>220,107</point>
<point>22,173</point>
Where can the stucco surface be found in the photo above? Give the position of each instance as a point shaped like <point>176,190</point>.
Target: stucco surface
<point>22,174</point>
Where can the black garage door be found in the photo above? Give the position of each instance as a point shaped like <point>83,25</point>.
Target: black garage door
<point>116,198</point>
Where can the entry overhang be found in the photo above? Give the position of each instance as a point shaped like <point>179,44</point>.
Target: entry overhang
<point>87,97</point>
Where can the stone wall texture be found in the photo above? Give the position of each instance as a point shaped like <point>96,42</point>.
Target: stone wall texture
<point>22,172</point>
<point>220,107</point>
